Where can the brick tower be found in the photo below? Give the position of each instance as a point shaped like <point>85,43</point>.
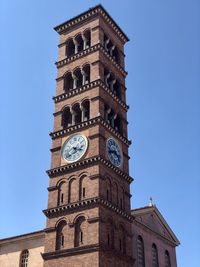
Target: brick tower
<point>88,214</point>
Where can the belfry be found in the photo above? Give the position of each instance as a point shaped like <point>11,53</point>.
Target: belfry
<point>88,215</point>
<point>89,221</point>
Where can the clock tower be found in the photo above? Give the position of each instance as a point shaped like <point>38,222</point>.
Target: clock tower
<point>88,213</point>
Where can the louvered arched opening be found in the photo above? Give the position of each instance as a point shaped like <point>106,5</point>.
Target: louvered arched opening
<point>24,258</point>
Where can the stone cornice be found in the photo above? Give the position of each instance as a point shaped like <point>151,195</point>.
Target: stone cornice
<point>89,123</point>
<point>94,160</point>
<point>87,249</point>
<point>89,86</point>
<point>90,14</point>
<point>70,252</point>
<point>94,48</point>
<point>86,204</point>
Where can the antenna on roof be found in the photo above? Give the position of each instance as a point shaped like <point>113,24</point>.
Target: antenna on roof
<point>151,202</point>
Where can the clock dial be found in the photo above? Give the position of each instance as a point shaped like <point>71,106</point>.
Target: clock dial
<point>74,148</point>
<point>114,152</point>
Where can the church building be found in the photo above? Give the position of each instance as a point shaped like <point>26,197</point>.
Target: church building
<point>89,220</point>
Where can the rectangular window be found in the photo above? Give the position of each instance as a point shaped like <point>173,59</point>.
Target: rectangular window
<point>83,191</point>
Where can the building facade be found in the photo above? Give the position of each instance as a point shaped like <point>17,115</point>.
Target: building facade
<point>89,217</point>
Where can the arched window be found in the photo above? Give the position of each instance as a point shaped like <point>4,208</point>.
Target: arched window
<point>24,258</point>
<point>68,82</point>
<point>70,48</point>
<point>117,124</point>
<point>140,252</point>
<point>115,55</point>
<point>76,114</point>
<point>80,232</point>
<point>79,42</point>
<point>66,118</point>
<point>85,110</point>
<point>78,79</point>
<point>60,238</point>
<point>154,256</point>
<point>86,74</point>
<point>86,39</point>
<point>117,89</point>
<point>167,259</point>
<point>111,81</point>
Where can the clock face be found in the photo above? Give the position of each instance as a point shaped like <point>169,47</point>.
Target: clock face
<point>74,148</point>
<point>114,152</point>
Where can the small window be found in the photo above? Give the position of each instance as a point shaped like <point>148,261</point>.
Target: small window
<point>62,240</point>
<point>120,244</point>
<point>121,203</point>
<point>107,194</point>
<point>81,236</point>
<point>24,258</point>
<point>62,198</point>
<point>83,191</point>
<point>108,239</point>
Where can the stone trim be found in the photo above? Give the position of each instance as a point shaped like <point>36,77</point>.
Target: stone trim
<point>89,14</point>
<point>88,123</point>
<point>159,235</point>
<point>70,252</point>
<point>93,220</point>
<point>50,229</point>
<point>98,159</point>
<point>88,51</point>
<point>55,149</point>
<point>52,188</point>
<point>85,203</point>
<point>89,86</point>
<point>28,236</point>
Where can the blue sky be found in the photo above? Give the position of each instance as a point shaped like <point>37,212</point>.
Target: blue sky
<point>163,62</point>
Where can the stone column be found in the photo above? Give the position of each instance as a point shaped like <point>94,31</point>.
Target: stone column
<point>84,76</point>
<point>111,50</point>
<point>73,116</point>
<point>84,42</point>
<point>82,113</point>
<point>74,81</point>
<point>106,78</point>
<point>106,114</point>
<point>112,84</point>
<point>76,45</point>
<point>106,44</point>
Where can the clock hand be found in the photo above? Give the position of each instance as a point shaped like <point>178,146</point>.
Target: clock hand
<point>70,152</point>
<point>115,153</point>
<point>80,147</point>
